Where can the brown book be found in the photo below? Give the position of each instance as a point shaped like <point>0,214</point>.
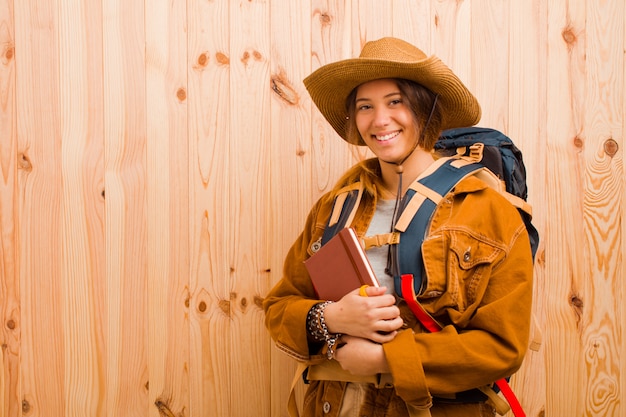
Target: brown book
<point>340,266</point>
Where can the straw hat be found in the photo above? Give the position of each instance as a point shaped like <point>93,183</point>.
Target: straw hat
<point>330,85</point>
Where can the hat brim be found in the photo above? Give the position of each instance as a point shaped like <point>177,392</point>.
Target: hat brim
<point>330,85</point>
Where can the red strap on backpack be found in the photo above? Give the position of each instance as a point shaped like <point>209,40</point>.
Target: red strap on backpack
<point>408,292</point>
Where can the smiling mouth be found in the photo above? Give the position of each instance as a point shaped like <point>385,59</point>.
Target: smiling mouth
<point>386,137</point>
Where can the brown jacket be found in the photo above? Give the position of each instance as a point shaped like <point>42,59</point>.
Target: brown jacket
<point>479,286</point>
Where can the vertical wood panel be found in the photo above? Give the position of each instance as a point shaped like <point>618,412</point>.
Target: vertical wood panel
<point>290,135</point>
<point>125,206</point>
<point>39,216</point>
<point>9,278</point>
<point>80,107</point>
<point>167,207</point>
<point>249,234</point>
<point>210,214</point>
<point>565,254</point>
<point>603,202</point>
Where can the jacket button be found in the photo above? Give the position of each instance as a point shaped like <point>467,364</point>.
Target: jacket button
<point>326,407</point>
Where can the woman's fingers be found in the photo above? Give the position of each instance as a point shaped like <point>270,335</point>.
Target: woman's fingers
<point>364,315</point>
<point>382,337</point>
<point>374,291</point>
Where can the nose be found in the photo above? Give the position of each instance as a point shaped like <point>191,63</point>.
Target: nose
<point>381,116</point>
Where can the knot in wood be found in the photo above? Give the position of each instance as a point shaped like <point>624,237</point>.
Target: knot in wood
<point>9,53</point>
<point>24,162</point>
<point>611,147</point>
<point>222,58</point>
<point>579,142</point>
<point>203,60</point>
<point>325,19</point>
<point>569,37</point>
<point>284,90</point>
<point>224,305</point>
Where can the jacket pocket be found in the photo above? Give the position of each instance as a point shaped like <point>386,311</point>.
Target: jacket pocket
<point>323,398</point>
<point>458,263</point>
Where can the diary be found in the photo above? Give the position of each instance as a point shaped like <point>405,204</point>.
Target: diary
<point>340,266</point>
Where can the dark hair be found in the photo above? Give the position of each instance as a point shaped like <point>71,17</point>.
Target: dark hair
<point>419,99</point>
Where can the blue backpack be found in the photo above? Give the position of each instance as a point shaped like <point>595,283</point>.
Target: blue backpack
<point>500,156</point>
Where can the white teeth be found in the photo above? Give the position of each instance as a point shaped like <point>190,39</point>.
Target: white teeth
<point>387,137</point>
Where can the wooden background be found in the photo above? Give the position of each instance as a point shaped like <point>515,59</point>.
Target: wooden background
<point>157,159</point>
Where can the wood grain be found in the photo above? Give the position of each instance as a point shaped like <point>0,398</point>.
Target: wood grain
<point>9,272</point>
<point>602,206</point>
<point>489,25</point>
<point>565,242</point>
<point>291,151</point>
<point>167,152</point>
<point>413,21</point>
<point>125,207</point>
<point>250,241</point>
<point>82,208</point>
<point>210,209</point>
<point>39,216</point>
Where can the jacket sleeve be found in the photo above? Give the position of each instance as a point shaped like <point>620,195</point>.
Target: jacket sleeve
<point>288,302</point>
<point>485,337</point>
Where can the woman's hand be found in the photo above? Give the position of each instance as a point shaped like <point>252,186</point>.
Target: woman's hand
<point>361,356</point>
<point>375,317</point>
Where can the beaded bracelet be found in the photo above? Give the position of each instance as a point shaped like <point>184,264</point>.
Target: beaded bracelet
<point>316,326</point>
<point>312,324</point>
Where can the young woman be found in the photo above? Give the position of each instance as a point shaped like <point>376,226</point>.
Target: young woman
<point>370,354</point>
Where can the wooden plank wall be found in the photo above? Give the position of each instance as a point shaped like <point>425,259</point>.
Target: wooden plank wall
<point>157,159</point>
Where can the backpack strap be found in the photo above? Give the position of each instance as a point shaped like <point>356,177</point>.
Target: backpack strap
<point>419,203</point>
<point>497,184</point>
<point>344,209</point>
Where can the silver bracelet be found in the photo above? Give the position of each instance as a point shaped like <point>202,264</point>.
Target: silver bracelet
<point>331,338</point>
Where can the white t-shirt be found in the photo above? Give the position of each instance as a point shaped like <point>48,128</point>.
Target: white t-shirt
<point>381,224</point>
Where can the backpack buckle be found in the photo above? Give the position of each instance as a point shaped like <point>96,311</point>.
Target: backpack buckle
<point>476,151</point>
<point>380,240</point>
<point>472,153</point>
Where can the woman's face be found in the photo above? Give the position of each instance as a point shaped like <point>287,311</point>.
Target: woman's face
<point>384,120</point>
